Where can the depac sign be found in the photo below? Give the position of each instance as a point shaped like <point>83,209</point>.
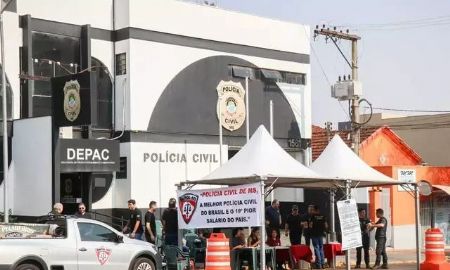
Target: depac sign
<point>88,155</point>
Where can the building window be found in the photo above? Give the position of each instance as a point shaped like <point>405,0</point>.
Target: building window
<point>122,173</point>
<point>294,78</point>
<point>103,80</point>
<point>243,72</point>
<point>53,55</point>
<point>121,64</point>
<point>267,75</point>
<point>272,75</point>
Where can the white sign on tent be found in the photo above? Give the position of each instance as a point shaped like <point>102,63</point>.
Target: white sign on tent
<point>236,206</point>
<point>349,220</point>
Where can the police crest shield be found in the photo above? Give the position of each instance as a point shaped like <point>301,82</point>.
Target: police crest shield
<point>188,204</point>
<point>102,254</point>
<point>72,101</point>
<point>231,105</point>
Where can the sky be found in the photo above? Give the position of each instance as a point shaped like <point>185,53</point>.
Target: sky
<point>401,66</point>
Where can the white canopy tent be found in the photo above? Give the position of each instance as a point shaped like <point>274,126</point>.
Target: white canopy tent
<point>260,160</point>
<point>348,170</point>
<point>263,160</point>
<point>339,162</point>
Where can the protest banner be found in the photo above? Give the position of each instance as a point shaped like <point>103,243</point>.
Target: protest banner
<point>349,220</point>
<point>236,206</point>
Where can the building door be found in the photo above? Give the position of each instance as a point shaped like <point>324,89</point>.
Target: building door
<point>74,190</point>
<point>386,206</point>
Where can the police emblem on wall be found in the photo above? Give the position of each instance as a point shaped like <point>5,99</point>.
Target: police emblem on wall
<point>231,104</point>
<point>72,101</point>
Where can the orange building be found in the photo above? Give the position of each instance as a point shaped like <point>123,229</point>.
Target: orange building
<point>382,149</point>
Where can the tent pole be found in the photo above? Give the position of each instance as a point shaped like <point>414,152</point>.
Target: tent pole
<point>418,230</point>
<point>332,216</point>
<point>332,223</point>
<point>272,193</point>
<point>220,131</point>
<point>247,113</point>
<point>348,195</point>
<point>263,227</point>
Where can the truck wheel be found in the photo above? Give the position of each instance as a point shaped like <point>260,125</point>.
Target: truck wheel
<point>143,264</point>
<point>27,266</point>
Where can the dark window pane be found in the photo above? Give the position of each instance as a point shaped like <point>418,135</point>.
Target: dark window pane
<point>94,232</point>
<point>271,74</point>
<point>121,64</point>
<point>242,72</point>
<point>122,173</point>
<point>53,55</point>
<point>42,106</point>
<point>103,80</point>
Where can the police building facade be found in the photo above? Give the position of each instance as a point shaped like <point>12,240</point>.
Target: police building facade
<point>159,75</point>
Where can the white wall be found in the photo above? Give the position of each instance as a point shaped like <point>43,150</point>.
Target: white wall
<point>204,22</point>
<point>32,156</point>
<point>97,13</point>
<point>156,179</point>
<point>13,38</point>
<point>400,234</point>
<point>122,90</point>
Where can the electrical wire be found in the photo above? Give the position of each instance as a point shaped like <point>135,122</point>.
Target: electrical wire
<point>411,110</point>
<point>400,25</point>
<point>321,67</point>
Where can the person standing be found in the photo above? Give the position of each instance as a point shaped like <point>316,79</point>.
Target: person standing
<point>81,212</point>
<point>57,209</point>
<point>293,226</point>
<point>134,224</point>
<point>306,221</point>
<point>170,223</point>
<point>150,223</point>
<point>273,218</point>
<point>380,237</point>
<point>318,228</point>
<point>365,236</point>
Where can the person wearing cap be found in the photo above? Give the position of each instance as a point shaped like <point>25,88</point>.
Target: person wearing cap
<point>293,226</point>
<point>170,223</point>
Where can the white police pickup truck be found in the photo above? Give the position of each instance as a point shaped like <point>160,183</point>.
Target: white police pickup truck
<point>73,244</point>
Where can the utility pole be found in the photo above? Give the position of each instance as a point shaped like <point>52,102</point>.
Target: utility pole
<point>354,88</point>
<point>356,130</point>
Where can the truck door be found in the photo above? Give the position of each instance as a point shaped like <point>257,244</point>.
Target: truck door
<point>97,247</point>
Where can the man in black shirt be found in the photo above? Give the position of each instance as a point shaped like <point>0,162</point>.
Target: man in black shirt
<point>306,221</point>
<point>318,228</point>
<point>363,223</point>
<point>293,226</point>
<point>238,239</point>
<point>134,224</point>
<point>82,213</point>
<point>170,223</point>
<point>150,224</point>
<point>273,217</point>
<point>380,237</point>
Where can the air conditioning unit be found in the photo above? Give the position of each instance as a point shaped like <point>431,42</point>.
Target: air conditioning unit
<point>345,90</point>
